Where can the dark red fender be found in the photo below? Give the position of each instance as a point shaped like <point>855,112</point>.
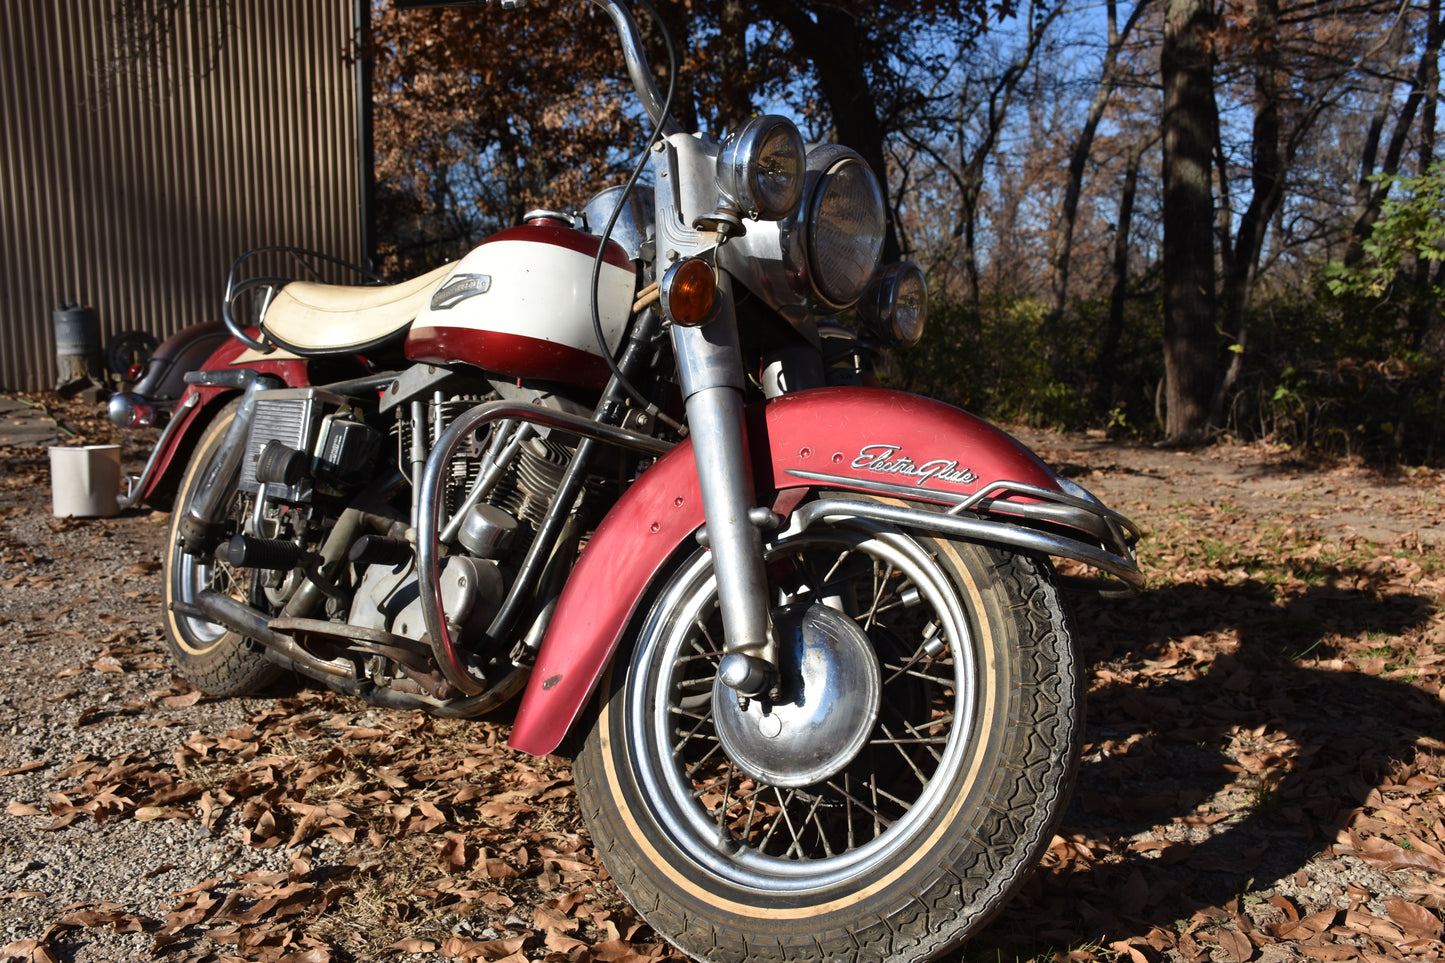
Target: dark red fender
<point>290,369</point>
<point>863,434</point>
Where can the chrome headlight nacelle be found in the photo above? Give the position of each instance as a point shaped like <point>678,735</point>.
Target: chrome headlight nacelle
<point>819,258</point>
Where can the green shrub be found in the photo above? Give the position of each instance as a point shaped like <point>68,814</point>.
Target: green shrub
<point>1000,360</point>
<point>1336,372</point>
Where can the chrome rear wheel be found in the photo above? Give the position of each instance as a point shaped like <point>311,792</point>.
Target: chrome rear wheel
<point>212,657</point>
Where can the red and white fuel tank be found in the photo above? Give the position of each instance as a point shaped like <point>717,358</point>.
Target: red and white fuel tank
<point>520,305</point>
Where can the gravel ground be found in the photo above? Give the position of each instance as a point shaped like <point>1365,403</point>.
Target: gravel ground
<point>87,680</point>
<point>88,684</point>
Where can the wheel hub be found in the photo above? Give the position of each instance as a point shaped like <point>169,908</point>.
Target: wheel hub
<point>829,700</point>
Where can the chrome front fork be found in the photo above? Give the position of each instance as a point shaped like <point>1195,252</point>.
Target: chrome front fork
<point>711,370</point>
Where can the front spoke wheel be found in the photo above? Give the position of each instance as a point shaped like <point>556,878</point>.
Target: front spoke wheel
<point>912,765</point>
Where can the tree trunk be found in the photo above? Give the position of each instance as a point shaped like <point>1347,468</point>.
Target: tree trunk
<point>1118,294</point>
<point>965,230</point>
<point>1425,312</point>
<point>834,44</point>
<point>1267,175</point>
<point>1191,344</point>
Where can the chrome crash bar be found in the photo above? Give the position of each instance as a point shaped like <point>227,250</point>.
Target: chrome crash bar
<point>429,508</point>
<point>1119,563</point>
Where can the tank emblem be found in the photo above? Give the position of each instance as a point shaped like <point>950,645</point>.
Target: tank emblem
<point>458,288</point>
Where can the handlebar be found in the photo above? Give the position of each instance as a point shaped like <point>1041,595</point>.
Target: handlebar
<point>637,66</point>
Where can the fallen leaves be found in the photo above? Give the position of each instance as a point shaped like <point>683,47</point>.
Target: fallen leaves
<point>1263,778</point>
<point>1383,854</point>
<point>27,951</point>
<point>1264,771</point>
<point>428,824</point>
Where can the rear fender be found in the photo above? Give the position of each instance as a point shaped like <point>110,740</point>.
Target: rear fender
<point>859,439</point>
<point>179,441</point>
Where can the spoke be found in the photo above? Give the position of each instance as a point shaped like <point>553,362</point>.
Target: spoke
<point>898,744</point>
<point>902,804</point>
<point>685,738</point>
<point>224,578</point>
<point>706,636</point>
<point>750,797</point>
<point>702,789</point>
<point>697,685</point>
<point>700,655</point>
<point>694,687</point>
<point>918,656</point>
<point>937,716</point>
<point>727,791</point>
<point>748,820</point>
<point>788,819</point>
<point>944,682</point>
<point>703,648</point>
<point>878,588</point>
<point>812,817</point>
<point>913,659</point>
<point>918,741</point>
<point>783,815</point>
<point>833,569</point>
<point>892,606</point>
<point>881,823</point>
<point>923,739</point>
<point>722,812</point>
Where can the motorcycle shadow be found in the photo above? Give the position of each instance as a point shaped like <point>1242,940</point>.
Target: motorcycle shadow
<point>1218,770</point>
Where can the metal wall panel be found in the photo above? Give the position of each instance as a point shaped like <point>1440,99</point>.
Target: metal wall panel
<point>133,191</point>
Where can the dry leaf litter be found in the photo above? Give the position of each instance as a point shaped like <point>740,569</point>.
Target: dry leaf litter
<point>1263,767</point>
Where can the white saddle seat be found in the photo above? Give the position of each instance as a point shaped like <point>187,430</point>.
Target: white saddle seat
<point>313,318</point>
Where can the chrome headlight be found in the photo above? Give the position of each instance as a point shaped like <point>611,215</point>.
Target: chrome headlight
<point>896,303</point>
<point>760,169</point>
<point>845,224</point>
<point>818,259</point>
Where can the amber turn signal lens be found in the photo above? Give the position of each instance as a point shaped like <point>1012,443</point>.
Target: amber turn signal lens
<point>689,292</point>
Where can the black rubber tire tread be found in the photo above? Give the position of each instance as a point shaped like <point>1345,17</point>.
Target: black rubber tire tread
<point>949,893</point>
<point>231,665</point>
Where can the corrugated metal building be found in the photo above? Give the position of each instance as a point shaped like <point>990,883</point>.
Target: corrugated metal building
<point>140,156</point>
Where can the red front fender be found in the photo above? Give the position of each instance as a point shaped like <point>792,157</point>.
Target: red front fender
<point>864,439</point>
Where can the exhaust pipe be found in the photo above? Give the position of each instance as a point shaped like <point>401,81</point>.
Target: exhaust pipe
<point>288,653</point>
<point>252,623</point>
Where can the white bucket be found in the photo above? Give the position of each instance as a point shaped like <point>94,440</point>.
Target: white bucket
<point>84,482</point>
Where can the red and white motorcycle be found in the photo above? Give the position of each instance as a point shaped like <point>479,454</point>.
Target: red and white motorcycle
<point>619,464</point>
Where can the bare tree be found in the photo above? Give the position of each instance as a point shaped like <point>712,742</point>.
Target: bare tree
<point>1106,365</point>
<point>1423,90</point>
<point>1109,75</point>
<point>977,113</point>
